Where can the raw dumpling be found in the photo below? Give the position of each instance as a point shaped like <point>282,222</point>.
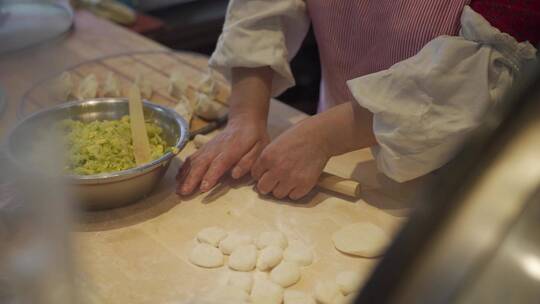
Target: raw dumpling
<point>361,239</point>
<point>269,257</point>
<point>177,84</point>
<point>208,85</point>
<point>211,235</point>
<point>208,108</point>
<point>184,109</point>
<point>233,241</point>
<point>62,87</point>
<point>285,274</point>
<point>243,258</point>
<point>297,297</point>
<point>206,256</point>
<point>242,280</point>
<point>266,292</point>
<point>348,281</point>
<point>327,293</point>
<point>298,253</point>
<point>275,238</point>
<point>111,87</point>
<point>88,87</point>
<point>144,86</point>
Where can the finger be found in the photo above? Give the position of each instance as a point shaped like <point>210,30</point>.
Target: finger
<point>267,183</point>
<point>221,164</point>
<point>194,177</point>
<point>282,189</point>
<point>259,167</point>
<point>184,170</point>
<point>246,162</point>
<point>299,192</point>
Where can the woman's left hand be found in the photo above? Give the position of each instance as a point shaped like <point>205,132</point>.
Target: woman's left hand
<point>292,163</point>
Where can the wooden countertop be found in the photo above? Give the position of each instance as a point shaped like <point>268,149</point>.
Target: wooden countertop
<point>138,254</point>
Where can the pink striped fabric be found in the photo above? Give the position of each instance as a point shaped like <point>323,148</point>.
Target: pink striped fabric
<point>359,37</point>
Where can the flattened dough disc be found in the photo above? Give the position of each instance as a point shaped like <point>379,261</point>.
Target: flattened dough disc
<point>361,239</point>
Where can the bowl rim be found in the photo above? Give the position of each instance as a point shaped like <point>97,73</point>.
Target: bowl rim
<point>183,131</point>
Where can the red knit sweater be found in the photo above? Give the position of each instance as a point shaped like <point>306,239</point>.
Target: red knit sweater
<point>519,18</point>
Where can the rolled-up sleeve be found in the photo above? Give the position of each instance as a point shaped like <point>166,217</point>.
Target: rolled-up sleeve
<point>262,33</point>
<point>424,107</point>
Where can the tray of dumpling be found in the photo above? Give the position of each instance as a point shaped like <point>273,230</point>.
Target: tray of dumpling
<point>80,122</point>
<point>176,80</point>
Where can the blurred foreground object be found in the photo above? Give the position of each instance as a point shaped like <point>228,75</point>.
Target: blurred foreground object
<point>35,261</point>
<point>25,23</point>
<point>147,5</point>
<point>474,235</point>
<point>2,101</point>
<point>109,9</point>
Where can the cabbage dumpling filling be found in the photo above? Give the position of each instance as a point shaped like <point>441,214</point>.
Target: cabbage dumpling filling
<point>104,146</point>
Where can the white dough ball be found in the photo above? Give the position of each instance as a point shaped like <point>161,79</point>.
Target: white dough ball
<point>285,274</point>
<point>243,258</point>
<point>269,257</point>
<point>266,292</point>
<point>211,235</point>
<point>270,238</point>
<point>361,239</point>
<point>348,281</point>
<point>298,253</point>
<point>206,256</point>
<point>242,280</point>
<point>233,241</point>
<point>297,297</point>
<point>327,292</point>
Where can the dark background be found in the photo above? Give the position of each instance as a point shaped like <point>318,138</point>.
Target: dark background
<point>195,26</point>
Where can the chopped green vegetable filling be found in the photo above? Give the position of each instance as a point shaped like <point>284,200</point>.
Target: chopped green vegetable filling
<point>105,146</point>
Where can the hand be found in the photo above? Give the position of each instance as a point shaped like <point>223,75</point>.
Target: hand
<point>243,139</point>
<point>237,147</point>
<point>291,164</point>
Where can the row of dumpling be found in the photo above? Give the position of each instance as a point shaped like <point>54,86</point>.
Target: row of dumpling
<point>65,87</point>
<point>199,100</point>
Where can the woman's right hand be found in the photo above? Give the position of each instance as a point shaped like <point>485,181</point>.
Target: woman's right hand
<point>236,148</point>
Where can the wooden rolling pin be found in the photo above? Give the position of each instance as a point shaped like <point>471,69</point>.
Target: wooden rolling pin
<point>327,181</point>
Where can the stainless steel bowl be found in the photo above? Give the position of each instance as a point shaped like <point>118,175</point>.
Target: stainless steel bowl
<point>107,190</point>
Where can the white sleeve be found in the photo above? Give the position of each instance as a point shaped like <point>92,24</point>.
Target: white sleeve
<point>262,33</point>
<point>424,107</point>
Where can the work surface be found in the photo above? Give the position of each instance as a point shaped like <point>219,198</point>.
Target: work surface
<point>138,254</point>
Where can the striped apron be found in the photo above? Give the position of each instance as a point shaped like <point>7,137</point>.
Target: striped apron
<point>360,37</point>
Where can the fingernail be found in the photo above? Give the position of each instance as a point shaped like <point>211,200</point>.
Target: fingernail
<point>184,190</point>
<point>236,172</point>
<point>204,186</point>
